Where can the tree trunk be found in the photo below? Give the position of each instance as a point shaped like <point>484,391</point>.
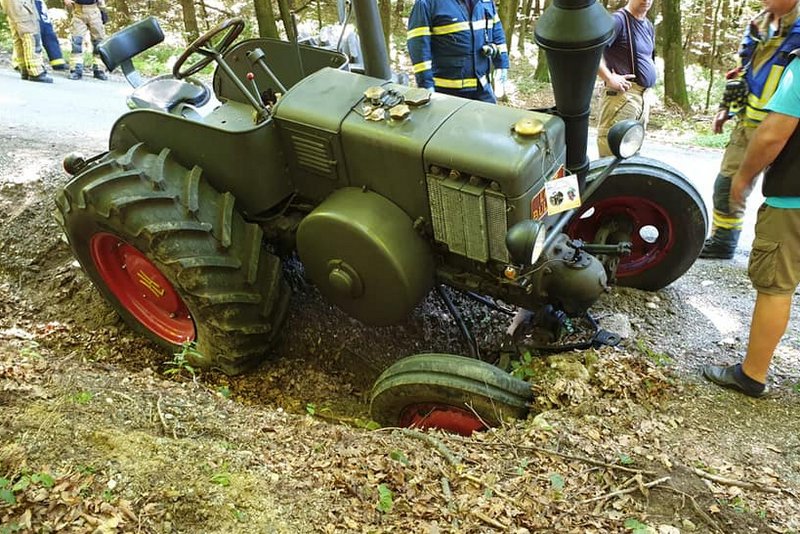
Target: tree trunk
<point>397,17</point>
<point>385,10</point>
<point>524,24</point>
<point>285,10</point>
<point>674,77</point>
<point>542,73</point>
<point>265,17</point>
<point>508,16</point>
<point>122,12</point>
<point>714,51</point>
<point>191,31</point>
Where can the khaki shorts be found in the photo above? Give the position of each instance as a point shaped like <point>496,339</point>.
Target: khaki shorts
<point>774,266</point>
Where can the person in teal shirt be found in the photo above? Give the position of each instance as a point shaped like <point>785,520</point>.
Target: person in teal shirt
<point>774,267</point>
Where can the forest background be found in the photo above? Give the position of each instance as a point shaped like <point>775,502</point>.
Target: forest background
<point>697,42</point>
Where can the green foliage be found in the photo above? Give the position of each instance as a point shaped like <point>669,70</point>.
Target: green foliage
<point>624,459</point>
<point>9,489</point>
<point>311,408</point>
<point>180,361</point>
<point>83,397</point>
<point>399,456</point>
<point>31,350</point>
<point>636,526</point>
<point>221,478</point>
<point>557,481</point>
<point>225,391</point>
<point>658,358</point>
<point>522,368</point>
<point>366,424</point>
<point>385,499</point>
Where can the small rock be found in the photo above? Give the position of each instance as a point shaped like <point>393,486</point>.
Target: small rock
<point>651,305</point>
<point>654,298</point>
<point>111,484</point>
<point>706,283</point>
<point>688,525</point>
<point>619,324</point>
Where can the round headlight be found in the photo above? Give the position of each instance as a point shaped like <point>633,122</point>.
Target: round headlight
<point>525,241</point>
<point>625,138</point>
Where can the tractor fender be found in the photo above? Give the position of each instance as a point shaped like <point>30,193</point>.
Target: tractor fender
<point>365,256</point>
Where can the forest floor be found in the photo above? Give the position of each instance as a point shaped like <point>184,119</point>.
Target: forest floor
<point>98,435</point>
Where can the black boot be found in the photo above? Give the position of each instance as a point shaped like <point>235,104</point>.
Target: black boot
<point>76,73</point>
<point>43,78</point>
<point>22,72</point>
<point>98,73</point>
<point>721,245</point>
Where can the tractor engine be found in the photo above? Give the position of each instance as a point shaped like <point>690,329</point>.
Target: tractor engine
<point>412,187</point>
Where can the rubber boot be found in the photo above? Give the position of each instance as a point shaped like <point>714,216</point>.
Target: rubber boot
<point>43,78</point>
<point>22,72</point>
<point>76,73</point>
<point>99,73</point>
<point>721,245</point>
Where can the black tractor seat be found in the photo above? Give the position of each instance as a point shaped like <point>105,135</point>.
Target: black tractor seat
<point>162,92</point>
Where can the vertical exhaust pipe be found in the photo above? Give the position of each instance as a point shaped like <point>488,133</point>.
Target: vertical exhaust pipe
<point>373,46</point>
<point>573,34</point>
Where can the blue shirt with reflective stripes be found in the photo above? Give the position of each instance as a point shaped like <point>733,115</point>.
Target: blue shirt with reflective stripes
<point>445,42</point>
<point>786,101</point>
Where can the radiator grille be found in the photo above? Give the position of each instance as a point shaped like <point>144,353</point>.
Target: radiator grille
<point>313,153</point>
<point>470,219</point>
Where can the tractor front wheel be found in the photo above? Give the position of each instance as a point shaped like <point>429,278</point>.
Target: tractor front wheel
<point>174,258</point>
<point>653,207</point>
<point>452,393</point>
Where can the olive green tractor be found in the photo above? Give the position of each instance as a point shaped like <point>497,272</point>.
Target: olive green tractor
<point>384,192</point>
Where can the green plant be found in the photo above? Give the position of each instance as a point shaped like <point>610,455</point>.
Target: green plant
<point>657,358</point>
<point>225,391</point>
<point>83,397</point>
<point>385,499</point>
<point>311,408</point>
<point>221,477</point>
<point>31,350</point>
<point>624,459</point>
<point>637,527</point>
<point>9,490</point>
<point>522,368</point>
<point>399,456</point>
<point>180,361</point>
<point>557,482</point>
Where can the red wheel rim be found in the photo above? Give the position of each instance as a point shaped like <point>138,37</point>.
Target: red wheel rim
<point>141,289</point>
<point>441,416</point>
<point>641,214</point>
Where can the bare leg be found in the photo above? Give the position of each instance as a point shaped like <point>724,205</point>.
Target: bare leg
<point>770,317</point>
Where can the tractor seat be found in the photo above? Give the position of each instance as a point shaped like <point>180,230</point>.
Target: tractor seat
<point>163,92</point>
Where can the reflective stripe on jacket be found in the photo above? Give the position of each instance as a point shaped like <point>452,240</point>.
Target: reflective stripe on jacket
<point>445,42</point>
<point>765,60</point>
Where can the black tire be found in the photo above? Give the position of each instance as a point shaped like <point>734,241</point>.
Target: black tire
<point>176,225</point>
<point>448,381</point>
<point>646,193</point>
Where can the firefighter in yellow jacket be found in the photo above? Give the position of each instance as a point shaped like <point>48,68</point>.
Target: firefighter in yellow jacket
<point>763,55</point>
<point>24,22</point>
<point>86,16</point>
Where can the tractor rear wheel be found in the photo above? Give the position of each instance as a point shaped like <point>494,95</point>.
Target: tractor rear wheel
<point>453,393</point>
<point>174,258</point>
<point>652,206</point>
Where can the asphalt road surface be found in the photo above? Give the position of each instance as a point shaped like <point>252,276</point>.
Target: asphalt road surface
<point>88,109</point>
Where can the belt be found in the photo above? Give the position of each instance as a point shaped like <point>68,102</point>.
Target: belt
<point>635,87</point>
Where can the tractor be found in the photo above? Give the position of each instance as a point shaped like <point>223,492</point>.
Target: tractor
<point>383,191</point>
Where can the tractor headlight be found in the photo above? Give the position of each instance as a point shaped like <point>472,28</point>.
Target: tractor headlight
<point>525,241</point>
<point>625,138</point>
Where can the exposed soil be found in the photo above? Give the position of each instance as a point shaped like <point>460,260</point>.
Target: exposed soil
<point>97,435</point>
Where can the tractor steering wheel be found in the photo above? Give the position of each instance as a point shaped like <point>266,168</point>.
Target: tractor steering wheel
<point>205,46</point>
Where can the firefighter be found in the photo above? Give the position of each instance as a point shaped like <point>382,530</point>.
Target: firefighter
<point>763,55</point>
<point>24,24</point>
<point>454,46</point>
<point>49,38</point>
<point>86,16</point>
